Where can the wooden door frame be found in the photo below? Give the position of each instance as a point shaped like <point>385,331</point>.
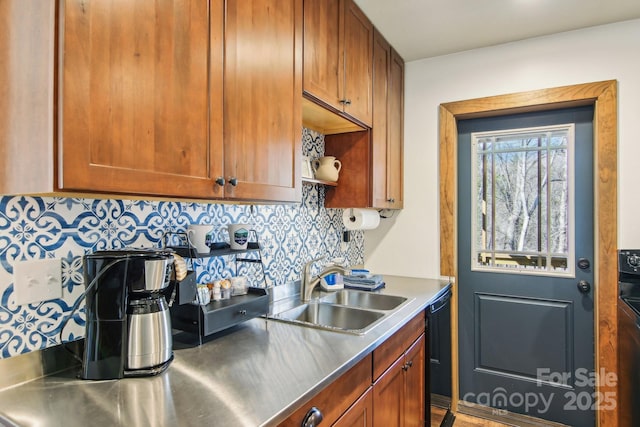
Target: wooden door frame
<point>603,96</point>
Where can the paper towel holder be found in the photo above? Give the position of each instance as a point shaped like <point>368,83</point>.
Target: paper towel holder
<point>352,217</point>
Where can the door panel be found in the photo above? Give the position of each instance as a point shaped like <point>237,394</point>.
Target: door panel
<point>526,337</point>
<point>135,97</point>
<point>388,396</point>
<point>323,53</point>
<point>358,68</point>
<point>262,101</point>
<point>532,324</point>
<point>414,402</point>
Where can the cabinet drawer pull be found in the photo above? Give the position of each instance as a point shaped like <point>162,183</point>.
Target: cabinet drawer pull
<point>242,312</point>
<point>313,418</point>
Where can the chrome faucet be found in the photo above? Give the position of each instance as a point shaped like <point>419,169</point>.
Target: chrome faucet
<point>309,283</point>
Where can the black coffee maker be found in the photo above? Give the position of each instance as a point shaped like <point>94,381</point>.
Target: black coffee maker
<point>128,327</point>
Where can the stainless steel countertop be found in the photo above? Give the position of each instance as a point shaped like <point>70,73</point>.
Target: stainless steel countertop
<point>253,375</point>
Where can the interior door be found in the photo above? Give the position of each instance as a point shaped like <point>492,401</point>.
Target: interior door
<point>525,246</point>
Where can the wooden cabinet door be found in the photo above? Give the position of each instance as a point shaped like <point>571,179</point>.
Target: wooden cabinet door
<point>262,101</point>
<point>388,122</point>
<point>388,396</point>
<point>323,75</point>
<point>338,49</point>
<point>395,144</point>
<point>380,130</point>
<point>414,401</point>
<point>360,414</point>
<point>136,85</point>
<point>337,397</point>
<point>358,58</point>
<point>377,181</point>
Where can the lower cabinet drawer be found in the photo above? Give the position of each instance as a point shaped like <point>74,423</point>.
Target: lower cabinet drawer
<point>337,397</point>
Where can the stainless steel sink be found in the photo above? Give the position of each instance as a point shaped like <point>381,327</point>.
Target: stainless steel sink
<point>362,299</point>
<point>331,317</point>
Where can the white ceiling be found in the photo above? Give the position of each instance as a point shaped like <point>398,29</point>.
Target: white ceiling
<point>426,28</point>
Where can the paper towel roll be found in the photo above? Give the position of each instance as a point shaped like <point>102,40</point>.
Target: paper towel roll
<point>360,219</point>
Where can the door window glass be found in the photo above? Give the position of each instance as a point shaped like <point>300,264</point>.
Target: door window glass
<point>523,200</point>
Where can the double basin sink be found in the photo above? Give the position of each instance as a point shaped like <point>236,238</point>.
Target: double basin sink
<point>350,311</point>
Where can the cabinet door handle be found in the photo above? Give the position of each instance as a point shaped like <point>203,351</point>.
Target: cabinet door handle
<point>345,101</point>
<point>313,418</point>
<point>233,181</point>
<point>220,181</point>
<point>391,200</point>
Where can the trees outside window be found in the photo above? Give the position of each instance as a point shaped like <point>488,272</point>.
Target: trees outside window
<point>523,199</point>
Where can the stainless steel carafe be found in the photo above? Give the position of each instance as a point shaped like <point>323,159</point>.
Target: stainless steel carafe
<point>149,333</point>
<point>128,328</point>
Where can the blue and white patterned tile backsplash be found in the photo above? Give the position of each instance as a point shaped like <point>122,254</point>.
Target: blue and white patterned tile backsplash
<point>68,228</point>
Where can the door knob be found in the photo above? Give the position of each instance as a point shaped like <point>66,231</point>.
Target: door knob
<point>583,264</point>
<point>584,286</point>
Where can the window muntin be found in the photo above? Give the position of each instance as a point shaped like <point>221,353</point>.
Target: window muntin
<point>523,200</point>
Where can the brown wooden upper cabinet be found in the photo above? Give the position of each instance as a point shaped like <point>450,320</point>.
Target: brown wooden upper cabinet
<point>143,107</point>
<point>387,133</point>
<point>135,97</point>
<point>262,103</point>
<point>338,46</point>
<point>146,109</point>
<point>372,160</point>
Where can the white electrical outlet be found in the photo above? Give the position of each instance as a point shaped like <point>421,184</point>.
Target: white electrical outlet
<point>37,280</point>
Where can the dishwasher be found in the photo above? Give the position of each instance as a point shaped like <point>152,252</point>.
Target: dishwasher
<point>629,337</point>
<point>438,378</point>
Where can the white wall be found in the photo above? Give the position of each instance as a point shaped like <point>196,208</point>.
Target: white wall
<point>408,243</point>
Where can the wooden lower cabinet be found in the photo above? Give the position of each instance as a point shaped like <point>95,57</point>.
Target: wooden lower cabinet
<point>399,393</point>
<point>414,402</point>
<point>360,414</point>
<point>337,397</point>
<point>388,396</point>
<point>386,388</point>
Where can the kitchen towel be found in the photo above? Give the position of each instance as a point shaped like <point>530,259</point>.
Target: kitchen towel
<point>367,284</point>
<point>360,219</point>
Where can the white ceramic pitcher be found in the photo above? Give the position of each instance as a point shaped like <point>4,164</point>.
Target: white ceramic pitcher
<point>327,168</point>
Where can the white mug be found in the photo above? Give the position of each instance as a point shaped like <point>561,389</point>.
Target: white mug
<point>199,236</point>
<point>238,236</point>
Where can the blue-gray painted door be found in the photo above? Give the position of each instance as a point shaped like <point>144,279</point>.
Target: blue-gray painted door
<point>526,341</point>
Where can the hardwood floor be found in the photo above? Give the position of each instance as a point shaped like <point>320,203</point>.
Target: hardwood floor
<point>437,414</point>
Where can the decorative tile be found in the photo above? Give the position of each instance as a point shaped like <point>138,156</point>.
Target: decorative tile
<point>69,228</point>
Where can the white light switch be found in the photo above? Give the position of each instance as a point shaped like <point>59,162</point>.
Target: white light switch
<point>37,280</point>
